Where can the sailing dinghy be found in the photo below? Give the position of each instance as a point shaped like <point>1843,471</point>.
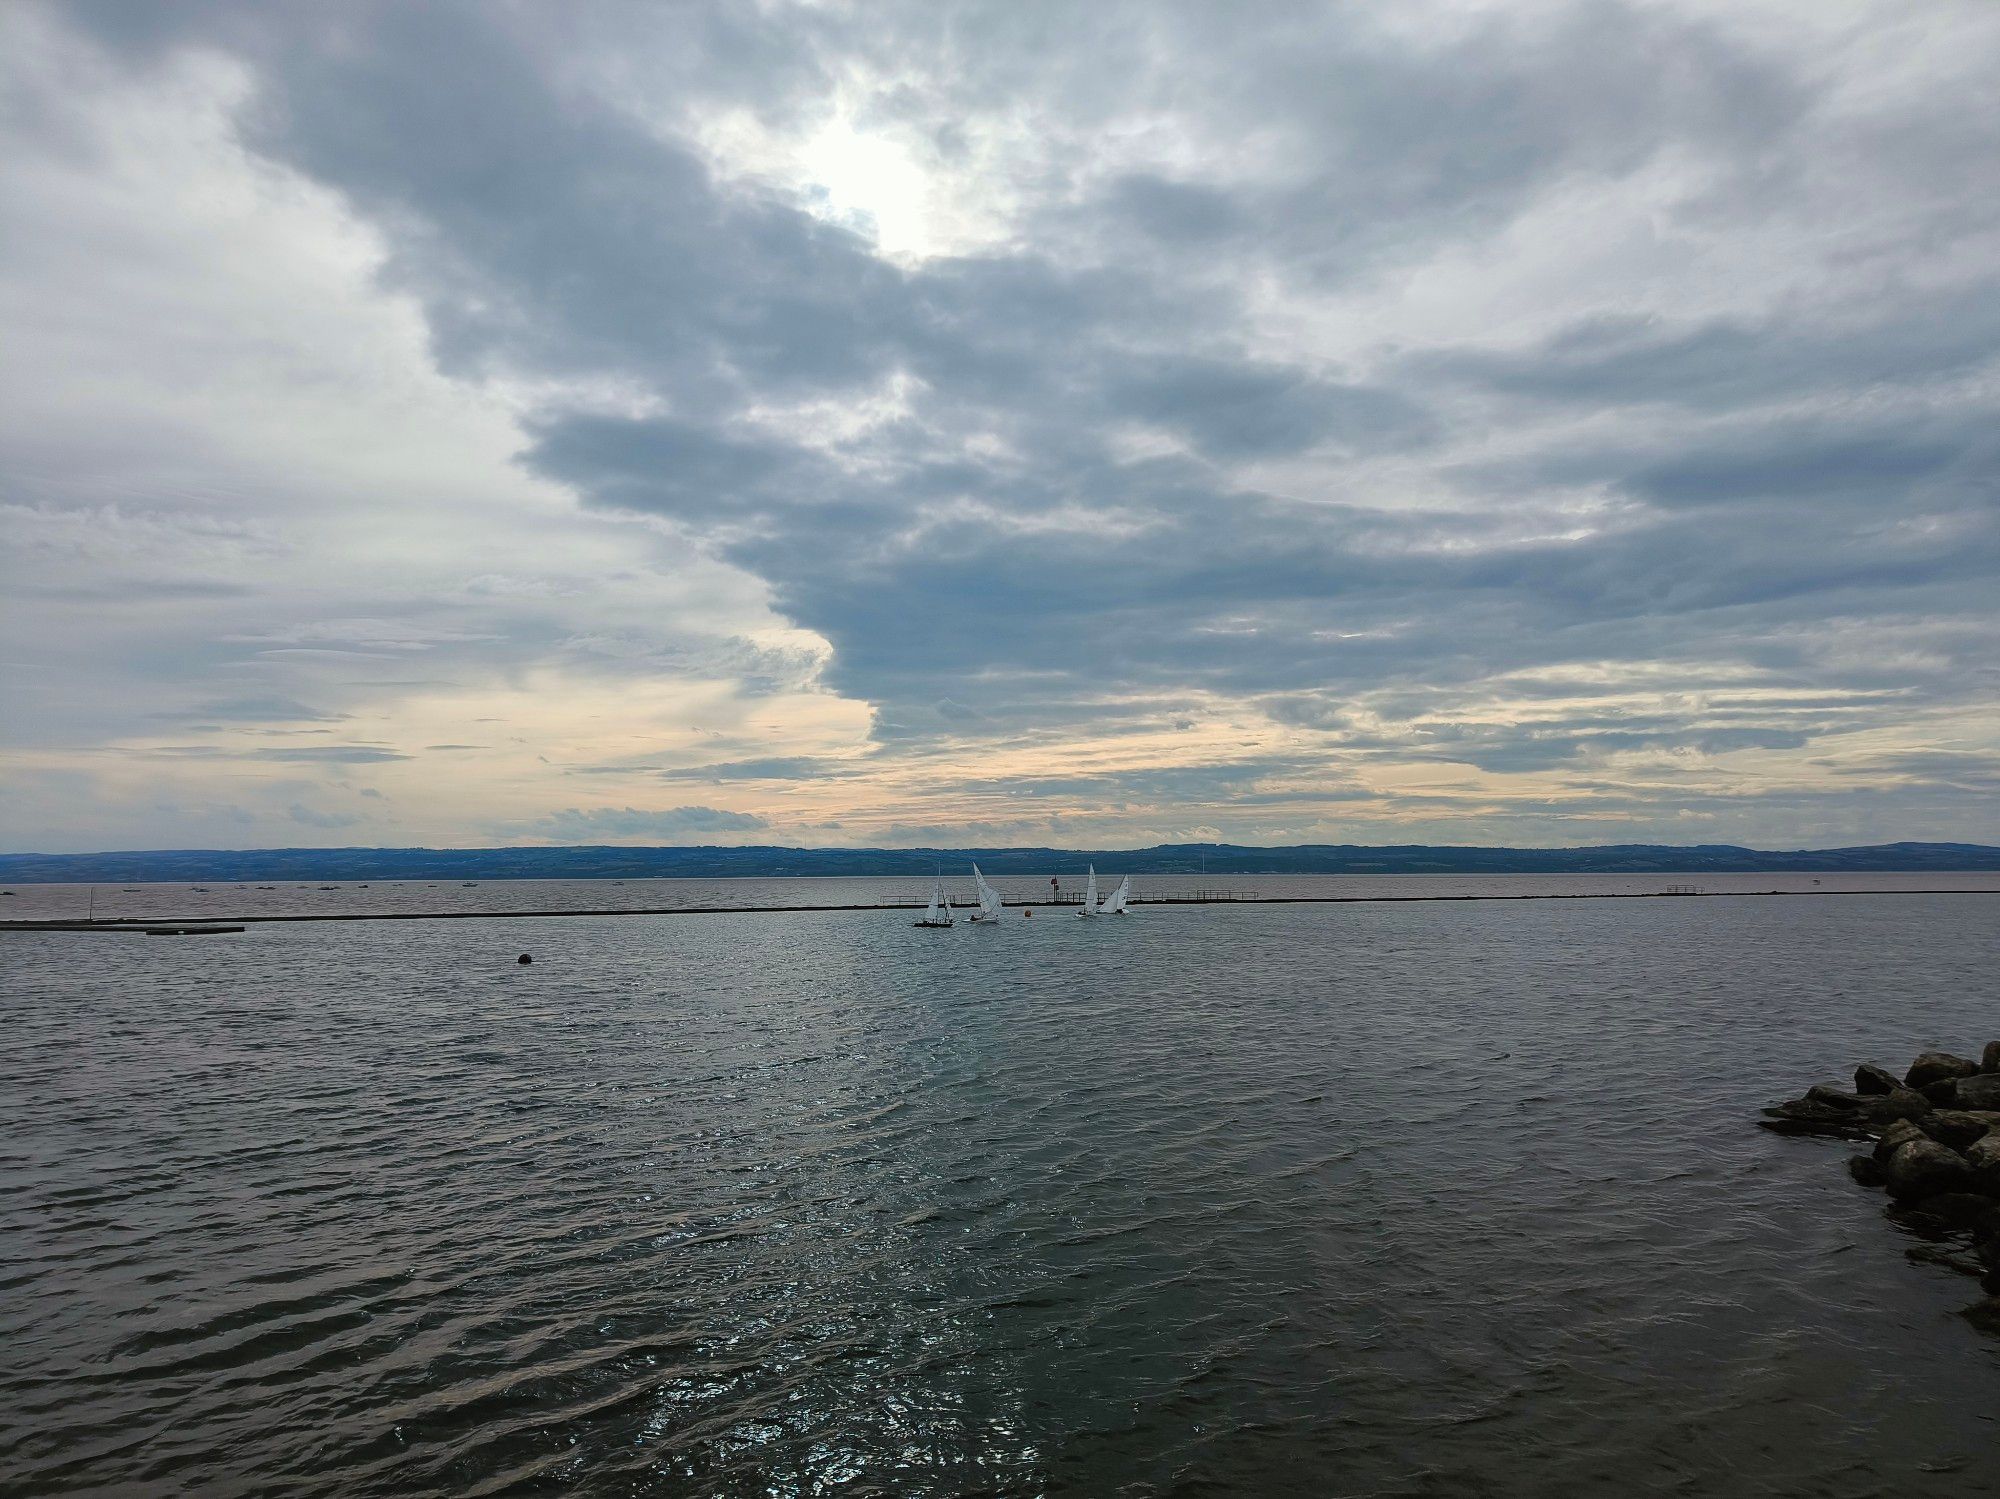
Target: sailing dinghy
<point>938,913</point>
<point>1114,905</point>
<point>989,898</point>
<point>1090,905</point>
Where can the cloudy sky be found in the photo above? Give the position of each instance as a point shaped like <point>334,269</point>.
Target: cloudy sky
<point>1539,422</point>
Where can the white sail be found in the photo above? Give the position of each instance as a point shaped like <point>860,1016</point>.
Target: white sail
<point>1116,905</point>
<point>989,898</point>
<point>1090,895</point>
<point>931,912</point>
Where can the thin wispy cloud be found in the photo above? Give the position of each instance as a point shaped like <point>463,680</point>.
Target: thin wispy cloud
<point>1484,423</point>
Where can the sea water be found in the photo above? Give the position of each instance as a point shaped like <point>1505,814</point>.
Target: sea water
<point>1411,1199</point>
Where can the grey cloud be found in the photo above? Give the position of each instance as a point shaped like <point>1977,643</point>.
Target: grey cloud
<point>256,710</point>
<point>331,754</point>
<point>773,768</point>
<point>1240,410</point>
<point>1423,521</point>
<point>312,818</point>
<point>1617,360</point>
<point>1975,771</point>
<point>1179,213</point>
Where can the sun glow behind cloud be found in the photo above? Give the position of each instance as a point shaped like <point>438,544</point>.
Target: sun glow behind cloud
<point>872,184</point>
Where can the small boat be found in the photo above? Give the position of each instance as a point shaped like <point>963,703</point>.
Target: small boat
<point>938,912</point>
<point>1116,905</point>
<point>989,898</point>
<point>1090,905</point>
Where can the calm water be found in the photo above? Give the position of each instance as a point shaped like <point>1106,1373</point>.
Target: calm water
<point>267,898</point>
<point>1387,1200</point>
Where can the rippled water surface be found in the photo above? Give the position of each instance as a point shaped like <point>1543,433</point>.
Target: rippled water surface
<point>216,901</point>
<point>1387,1199</point>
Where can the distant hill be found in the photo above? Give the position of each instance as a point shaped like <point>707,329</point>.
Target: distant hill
<point>615,862</point>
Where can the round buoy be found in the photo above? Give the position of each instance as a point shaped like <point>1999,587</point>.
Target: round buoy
<point>1026,914</point>
<point>524,958</point>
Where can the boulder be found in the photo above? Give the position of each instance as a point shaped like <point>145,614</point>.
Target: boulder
<point>1834,1129</point>
<point>1932,1254</point>
<point>1805,1116</point>
<point>1979,1093</point>
<point>1983,1157</point>
<point>1868,1078</point>
<point>1957,1128</point>
<point>1984,1315</point>
<point>1935,1066</point>
<point>1883,1108</point>
<point>1989,1059</point>
<point>1923,1168</point>
<point>1866,1170</point>
<point>1833,1097</point>
<point>1988,1121</point>
<point>1961,1210</point>
<point>1900,1132</point>
<point>1942,1094</point>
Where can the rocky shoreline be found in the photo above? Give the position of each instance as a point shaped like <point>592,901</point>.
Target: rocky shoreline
<point>1936,1134</point>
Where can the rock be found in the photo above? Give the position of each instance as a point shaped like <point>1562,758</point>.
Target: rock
<point>1805,1116</point>
<point>1934,1066</point>
<point>1983,1157</point>
<point>1942,1094</point>
<point>1901,1104</point>
<point>1833,1097</point>
<point>1931,1254</point>
<point>1981,1092</point>
<point>1826,1129</point>
<point>1957,1128</point>
<point>1989,1059</point>
<point>1964,1210</point>
<point>1868,1078</point>
<point>1866,1170</point>
<point>1900,1132</point>
<point>1984,1315</point>
<point>1988,1120</point>
<point>1924,1168</point>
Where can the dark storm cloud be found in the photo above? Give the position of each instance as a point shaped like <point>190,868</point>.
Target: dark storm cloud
<point>1109,475</point>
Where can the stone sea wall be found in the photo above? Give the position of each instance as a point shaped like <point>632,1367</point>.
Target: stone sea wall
<point>1936,1150</point>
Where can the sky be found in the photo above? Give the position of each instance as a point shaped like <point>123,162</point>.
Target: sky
<point>1540,422</point>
